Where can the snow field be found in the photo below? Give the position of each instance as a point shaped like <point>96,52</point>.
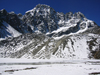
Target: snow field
<point>61,67</point>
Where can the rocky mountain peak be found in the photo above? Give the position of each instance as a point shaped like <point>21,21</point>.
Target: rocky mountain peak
<point>44,19</point>
<point>3,11</point>
<point>79,15</point>
<point>41,9</point>
<point>44,33</point>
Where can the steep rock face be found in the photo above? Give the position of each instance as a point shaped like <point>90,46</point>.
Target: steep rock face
<point>41,18</point>
<point>44,19</point>
<point>44,33</point>
<point>14,21</point>
<point>11,18</point>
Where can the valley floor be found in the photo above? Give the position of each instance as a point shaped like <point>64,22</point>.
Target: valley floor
<point>49,67</point>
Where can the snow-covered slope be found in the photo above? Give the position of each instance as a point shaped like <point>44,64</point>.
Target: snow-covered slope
<point>78,46</point>
<point>45,19</point>
<point>44,33</point>
<point>8,31</point>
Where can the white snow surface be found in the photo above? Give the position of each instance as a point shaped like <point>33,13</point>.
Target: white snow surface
<point>2,39</point>
<point>60,67</point>
<point>66,28</point>
<point>11,30</point>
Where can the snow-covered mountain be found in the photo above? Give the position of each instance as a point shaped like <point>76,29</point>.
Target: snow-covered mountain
<point>44,33</point>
